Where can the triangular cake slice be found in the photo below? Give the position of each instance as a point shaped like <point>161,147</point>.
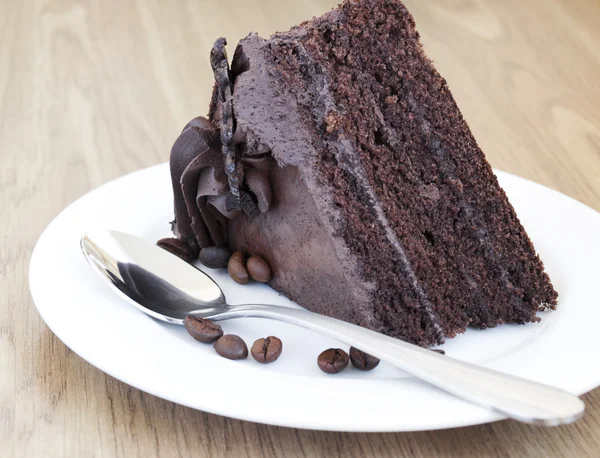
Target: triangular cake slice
<point>363,186</point>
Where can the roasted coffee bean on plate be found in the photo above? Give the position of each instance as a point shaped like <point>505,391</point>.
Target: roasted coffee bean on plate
<point>438,350</point>
<point>231,346</point>
<point>215,257</point>
<point>333,360</point>
<point>267,350</point>
<point>202,330</point>
<point>362,360</point>
<point>259,269</point>
<point>237,268</point>
<point>179,248</point>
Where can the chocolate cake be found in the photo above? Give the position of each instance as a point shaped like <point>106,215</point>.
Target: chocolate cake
<point>337,152</point>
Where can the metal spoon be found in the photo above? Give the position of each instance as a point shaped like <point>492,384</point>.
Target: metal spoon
<point>168,289</point>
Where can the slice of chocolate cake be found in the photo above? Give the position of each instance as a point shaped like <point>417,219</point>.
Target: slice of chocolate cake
<point>337,152</point>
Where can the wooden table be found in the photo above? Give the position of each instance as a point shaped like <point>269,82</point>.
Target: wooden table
<point>90,91</point>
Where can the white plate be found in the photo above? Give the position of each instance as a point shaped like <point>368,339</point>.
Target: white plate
<point>163,360</point>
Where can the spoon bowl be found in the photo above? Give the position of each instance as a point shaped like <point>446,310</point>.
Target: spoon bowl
<point>152,279</point>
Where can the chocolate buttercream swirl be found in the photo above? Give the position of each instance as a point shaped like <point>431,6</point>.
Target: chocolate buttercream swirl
<point>200,185</point>
<point>215,174</point>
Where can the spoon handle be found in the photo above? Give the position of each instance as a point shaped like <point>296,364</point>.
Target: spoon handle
<point>510,396</point>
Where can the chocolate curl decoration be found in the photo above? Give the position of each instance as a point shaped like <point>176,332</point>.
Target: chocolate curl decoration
<point>220,66</point>
<point>236,199</point>
<point>244,202</point>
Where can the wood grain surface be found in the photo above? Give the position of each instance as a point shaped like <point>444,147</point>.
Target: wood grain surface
<point>91,90</point>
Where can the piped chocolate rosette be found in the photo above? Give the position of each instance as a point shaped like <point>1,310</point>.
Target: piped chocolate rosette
<point>215,175</point>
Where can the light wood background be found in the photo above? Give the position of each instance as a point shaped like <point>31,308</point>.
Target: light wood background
<point>91,90</point>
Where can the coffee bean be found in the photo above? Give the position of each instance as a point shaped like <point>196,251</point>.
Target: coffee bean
<point>215,257</point>
<point>237,268</point>
<point>231,346</point>
<point>267,350</point>
<point>179,248</point>
<point>259,269</point>
<point>333,360</point>
<point>362,360</point>
<point>202,330</point>
<point>438,350</point>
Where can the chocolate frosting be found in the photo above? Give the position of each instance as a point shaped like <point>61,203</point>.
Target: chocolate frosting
<point>200,184</point>
<point>198,140</point>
